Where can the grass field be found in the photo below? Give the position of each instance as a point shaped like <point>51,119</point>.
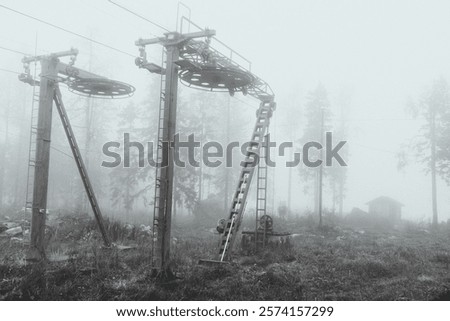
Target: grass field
<point>332,263</point>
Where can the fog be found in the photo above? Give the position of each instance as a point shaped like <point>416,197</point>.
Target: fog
<point>372,57</point>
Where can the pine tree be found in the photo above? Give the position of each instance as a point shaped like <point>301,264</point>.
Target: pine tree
<point>337,173</point>
<point>432,146</point>
<point>317,114</point>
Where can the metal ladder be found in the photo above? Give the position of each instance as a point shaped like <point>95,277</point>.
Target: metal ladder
<point>32,149</point>
<point>158,206</point>
<point>240,195</point>
<point>261,194</point>
<point>80,165</point>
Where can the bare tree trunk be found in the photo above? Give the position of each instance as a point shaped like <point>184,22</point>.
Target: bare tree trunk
<point>227,170</point>
<point>289,201</point>
<point>3,156</point>
<point>200,182</point>
<point>273,136</point>
<point>127,197</point>
<point>316,192</point>
<point>292,132</point>
<point>226,191</point>
<point>18,182</point>
<point>433,168</point>
<point>320,192</point>
<point>200,179</point>
<point>341,197</point>
<point>89,118</point>
<point>334,198</point>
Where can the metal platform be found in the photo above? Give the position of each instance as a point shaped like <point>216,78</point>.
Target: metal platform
<point>215,78</point>
<point>202,55</point>
<point>101,88</point>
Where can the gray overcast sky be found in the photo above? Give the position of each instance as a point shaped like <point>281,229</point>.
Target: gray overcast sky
<point>382,52</point>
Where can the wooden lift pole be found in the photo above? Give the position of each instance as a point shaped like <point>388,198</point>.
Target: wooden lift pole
<point>78,80</point>
<point>164,187</point>
<point>200,65</point>
<point>164,211</point>
<point>41,170</point>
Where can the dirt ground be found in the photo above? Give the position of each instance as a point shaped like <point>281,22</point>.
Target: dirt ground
<point>333,263</point>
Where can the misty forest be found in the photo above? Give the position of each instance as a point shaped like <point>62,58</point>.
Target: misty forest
<point>88,106</point>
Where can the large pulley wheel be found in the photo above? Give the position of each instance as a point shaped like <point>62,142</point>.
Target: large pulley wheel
<point>266,223</point>
<point>101,88</point>
<point>215,78</point>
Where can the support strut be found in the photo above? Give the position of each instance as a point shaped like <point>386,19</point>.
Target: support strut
<point>80,165</point>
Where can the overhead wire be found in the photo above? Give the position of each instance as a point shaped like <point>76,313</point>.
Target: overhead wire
<point>66,30</point>
<point>10,71</point>
<point>14,51</point>
<point>89,4</point>
<point>138,15</point>
<point>92,151</point>
<point>60,151</point>
<point>377,119</point>
<point>245,103</point>
<point>375,148</point>
<point>23,44</point>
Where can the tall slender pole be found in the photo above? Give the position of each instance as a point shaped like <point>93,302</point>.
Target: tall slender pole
<point>202,140</point>
<point>291,156</point>
<point>273,135</point>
